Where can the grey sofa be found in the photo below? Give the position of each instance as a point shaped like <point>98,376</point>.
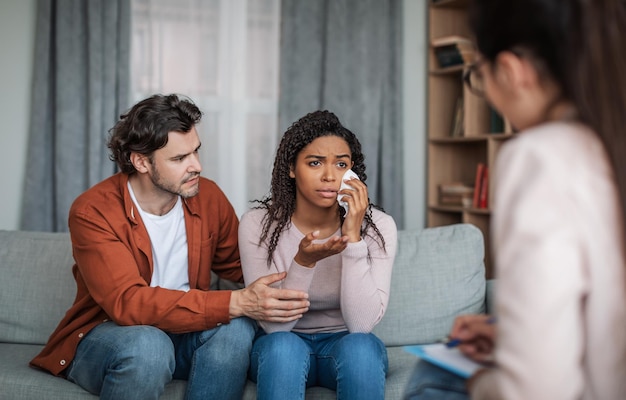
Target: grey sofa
<point>438,274</point>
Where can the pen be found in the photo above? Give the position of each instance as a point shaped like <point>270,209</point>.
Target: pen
<point>451,343</point>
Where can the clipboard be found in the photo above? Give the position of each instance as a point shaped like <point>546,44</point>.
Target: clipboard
<point>450,359</point>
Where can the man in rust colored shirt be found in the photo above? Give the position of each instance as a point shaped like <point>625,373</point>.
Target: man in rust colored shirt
<point>144,243</point>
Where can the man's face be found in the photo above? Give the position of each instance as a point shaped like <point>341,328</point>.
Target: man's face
<point>176,167</point>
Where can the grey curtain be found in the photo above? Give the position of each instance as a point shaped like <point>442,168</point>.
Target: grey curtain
<point>346,56</point>
<point>80,84</point>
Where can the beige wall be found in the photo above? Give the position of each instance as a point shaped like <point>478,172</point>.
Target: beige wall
<point>17,32</point>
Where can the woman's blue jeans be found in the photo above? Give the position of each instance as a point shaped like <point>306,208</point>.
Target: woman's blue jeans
<point>136,362</point>
<point>429,382</point>
<point>284,364</point>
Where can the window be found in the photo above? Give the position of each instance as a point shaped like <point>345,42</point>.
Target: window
<point>224,55</point>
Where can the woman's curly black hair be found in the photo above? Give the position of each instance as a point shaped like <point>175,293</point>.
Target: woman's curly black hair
<point>281,202</point>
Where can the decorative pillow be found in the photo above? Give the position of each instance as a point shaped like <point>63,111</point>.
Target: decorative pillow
<point>438,273</point>
<point>37,284</point>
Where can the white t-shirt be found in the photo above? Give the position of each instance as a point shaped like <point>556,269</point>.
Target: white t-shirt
<point>168,239</point>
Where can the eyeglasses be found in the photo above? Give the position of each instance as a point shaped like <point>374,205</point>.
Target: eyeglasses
<point>473,78</point>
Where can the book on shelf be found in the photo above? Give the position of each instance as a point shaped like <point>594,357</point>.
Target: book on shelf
<point>477,179</point>
<point>496,122</point>
<point>508,128</point>
<point>457,120</point>
<point>453,50</point>
<point>481,187</point>
<point>455,194</point>
<point>483,199</point>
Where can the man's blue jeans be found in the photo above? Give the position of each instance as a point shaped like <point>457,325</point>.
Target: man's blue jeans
<point>429,382</point>
<point>136,362</point>
<point>284,364</point>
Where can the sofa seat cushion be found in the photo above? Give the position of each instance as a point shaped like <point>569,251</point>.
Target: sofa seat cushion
<point>438,274</point>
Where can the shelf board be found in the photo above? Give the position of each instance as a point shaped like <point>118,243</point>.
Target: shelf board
<point>448,3</point>
<point>501,136</point>
<point>460,209</point>
<point>455,69</point>
<point>462,139</point>
<point>473,138</point>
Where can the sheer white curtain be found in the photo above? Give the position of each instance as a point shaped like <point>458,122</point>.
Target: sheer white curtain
<point>224,55</point>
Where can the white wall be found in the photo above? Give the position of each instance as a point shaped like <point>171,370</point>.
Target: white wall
<point>17,33</point>
<point>17,38</point>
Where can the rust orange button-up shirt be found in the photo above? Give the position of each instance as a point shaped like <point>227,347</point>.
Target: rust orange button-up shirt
<point>113,268</point>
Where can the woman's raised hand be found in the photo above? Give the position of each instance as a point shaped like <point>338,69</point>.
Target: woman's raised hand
<point>310,253</point>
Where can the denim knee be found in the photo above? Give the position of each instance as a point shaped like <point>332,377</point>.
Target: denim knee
<point>279,351</point>
<point>362,349</point>
<point>221,357</point>
<point>149,348</point>
<point>115,361</point>
<point>355,366</point>
<point>144,356</point>
<point>236,336</point>
<point>280,345</point>
<point>280,364</point>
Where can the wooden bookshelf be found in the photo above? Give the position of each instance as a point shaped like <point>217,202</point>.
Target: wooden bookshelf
<point>454,159</point>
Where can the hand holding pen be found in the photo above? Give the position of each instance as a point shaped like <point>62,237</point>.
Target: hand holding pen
<point>475,336</point>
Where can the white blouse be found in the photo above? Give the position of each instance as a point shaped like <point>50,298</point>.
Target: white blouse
<point>559,250</point>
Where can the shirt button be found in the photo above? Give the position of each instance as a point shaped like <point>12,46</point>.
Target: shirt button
<point>105,320</point>
<point>219,324</point>
<point>80,335</point>
<point>62,362</point>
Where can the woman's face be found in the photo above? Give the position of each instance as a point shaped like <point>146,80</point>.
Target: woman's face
<point>318,170</point>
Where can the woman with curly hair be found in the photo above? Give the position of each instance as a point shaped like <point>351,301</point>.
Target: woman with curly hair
<point>342,259</point>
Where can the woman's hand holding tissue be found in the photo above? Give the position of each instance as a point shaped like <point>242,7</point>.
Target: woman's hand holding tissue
<point>353,193</point>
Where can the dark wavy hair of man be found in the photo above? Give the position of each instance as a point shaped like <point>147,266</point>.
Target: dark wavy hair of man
<point>145,127</point>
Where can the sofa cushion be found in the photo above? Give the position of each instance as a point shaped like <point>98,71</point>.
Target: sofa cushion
<point>438,274</point>
<point>38,286</point>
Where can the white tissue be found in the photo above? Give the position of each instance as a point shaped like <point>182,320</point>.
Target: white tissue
<point>348,175</point>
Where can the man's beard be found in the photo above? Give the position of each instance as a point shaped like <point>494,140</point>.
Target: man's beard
<point>155,177</point>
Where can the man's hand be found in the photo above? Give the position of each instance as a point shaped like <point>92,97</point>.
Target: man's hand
<point>261,302</point>
<point>477,334</point>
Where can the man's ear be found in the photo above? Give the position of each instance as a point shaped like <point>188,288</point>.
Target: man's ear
<point>140,162</point>
<point>515,72</point>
